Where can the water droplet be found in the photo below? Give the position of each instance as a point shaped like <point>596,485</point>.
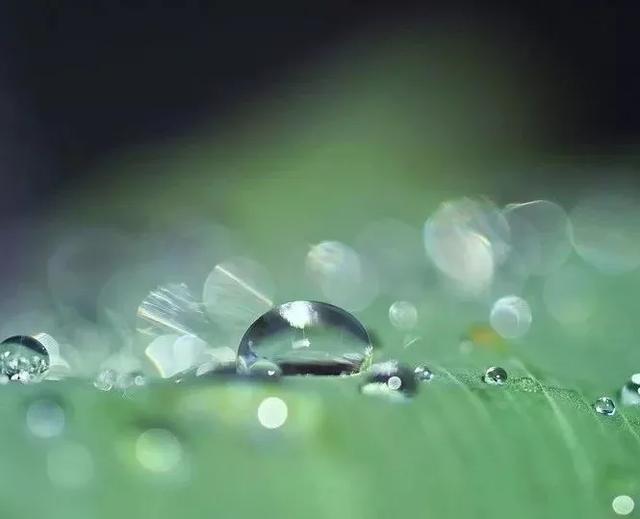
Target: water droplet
<point>630,392</point>
<point>391,380</point>
<point>511,317</point>
<point>272,412</point>
<point>606,232</point>
<point>495,376</point>
<point>45,418</point>
<point>105,380</point>
<point>423,373</point>
<point>70,465</point>
<point>23,358</point>
<point>172,354</point>
<point>337,342</point>
<point>403,315</point>
<point>623,505</point>
<point>605,406</point>
<point>158,450</point>
<point>540,235</point>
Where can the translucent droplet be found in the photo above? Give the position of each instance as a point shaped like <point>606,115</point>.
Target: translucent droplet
<point>495,376</point>
<point>604,405</point>
<point>606,232</point>
<point>158,450</point>
<point>105,380</point>
<point>172,354</point>
<point>23,358</point>
<point>342,275</point>
<point>623,505</point>
<point>423,374</point>
<point>510,317</point>
<point>45,419</point>
<point>403,315</point>
<point>306,337</point>
<point>540,235</point>
<point>391,380</point>
<point>466,239</point>
<point>272,412</point>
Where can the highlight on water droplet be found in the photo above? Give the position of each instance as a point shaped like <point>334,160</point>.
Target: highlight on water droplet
<point>511,317</point>
<point>403,315</point>
<point>158,450</point>
<point>495,376</point>
<point>306,337</point>
<point>390,380</point>
<point>272,412</point>
<point>45,418</point>
<point>423,373</point>
<point>623,504</point>
<point>604,406</point>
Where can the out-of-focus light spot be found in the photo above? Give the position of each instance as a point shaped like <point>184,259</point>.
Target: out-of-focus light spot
<point>45,419</point>
<point>158,450</point>
<point>341,274</point>
<point>623,505</point>
<point>570,295</point>
<point>466,239</point>
<point>511,317</point>
<point>540,235</point>
<point>70,465</point>
<point>606,232</point>
<point>483,335</point>
<point>272,412</point>
<point>403,315</point>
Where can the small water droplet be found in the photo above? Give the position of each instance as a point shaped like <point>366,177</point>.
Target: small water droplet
<point>423,373</point>
<point>605,406</point>
<point>336,341</point>
<point>623,505</point>
<point>105,380</point>
<point>45,418</point>
<point>495,376</point>
<point>391,380</point>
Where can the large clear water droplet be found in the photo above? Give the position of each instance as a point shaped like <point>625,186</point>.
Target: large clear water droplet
<point>391,380</point>
<point>495,376</point>
<point>605,406</point>
<point>23,358</point>
<point>306,337</point>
